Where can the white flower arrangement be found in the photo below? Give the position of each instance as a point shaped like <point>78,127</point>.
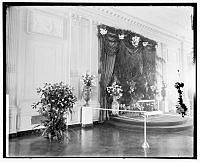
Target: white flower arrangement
<point>145,44</point>
<point>88,80</point>
<point>103,31</point>
<point>115,90</point>
<point>135,41</point>
<point>121,36</point>
<point>132,87</point>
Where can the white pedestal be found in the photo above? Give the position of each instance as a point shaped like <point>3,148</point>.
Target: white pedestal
<point>86,116</point>
<point>164,106</point>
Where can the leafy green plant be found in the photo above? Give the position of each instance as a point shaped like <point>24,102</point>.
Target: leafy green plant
<point>180,107</point>
<point>56,102</point>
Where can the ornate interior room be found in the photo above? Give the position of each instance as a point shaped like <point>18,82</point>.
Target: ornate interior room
<point>100,81</point>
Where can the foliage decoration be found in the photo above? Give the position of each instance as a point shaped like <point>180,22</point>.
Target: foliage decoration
<point>56,102</point>
<point>132,88</point>
<point>104,30</point>
<point>180,107</point>
<point>115,90</point>
<point>135,61</point>
<point>139,68</point>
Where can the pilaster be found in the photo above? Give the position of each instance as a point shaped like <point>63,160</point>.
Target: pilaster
<point>164,100</point>
<point>12,23</point>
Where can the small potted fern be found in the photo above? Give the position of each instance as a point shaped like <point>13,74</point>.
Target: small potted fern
<point>56,102</point>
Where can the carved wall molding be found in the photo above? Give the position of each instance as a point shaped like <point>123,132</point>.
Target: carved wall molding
<point>125,17</point>
<point>115,18</point>
<point>43,23</point>
<point>76,17</point>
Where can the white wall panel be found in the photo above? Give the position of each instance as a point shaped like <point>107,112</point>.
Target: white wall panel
<point>43,59</point>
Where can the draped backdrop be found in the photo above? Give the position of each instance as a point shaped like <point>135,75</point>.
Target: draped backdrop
<point>125,56</point>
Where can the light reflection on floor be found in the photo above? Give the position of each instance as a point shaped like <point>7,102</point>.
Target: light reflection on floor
<point>106,141</point>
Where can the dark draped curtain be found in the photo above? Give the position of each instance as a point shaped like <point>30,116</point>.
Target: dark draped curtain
<point>120,57</point>
<point>108,49</point>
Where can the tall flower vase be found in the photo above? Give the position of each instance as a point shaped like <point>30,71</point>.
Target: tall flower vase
<point>86,95</point>
<point>115,106</point>
<point>163,93</point>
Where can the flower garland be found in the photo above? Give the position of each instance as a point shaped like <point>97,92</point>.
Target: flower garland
<point>121,34</point>
<point>181,107</point>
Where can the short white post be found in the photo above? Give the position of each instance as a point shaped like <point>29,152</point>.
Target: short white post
<point>145,144</point>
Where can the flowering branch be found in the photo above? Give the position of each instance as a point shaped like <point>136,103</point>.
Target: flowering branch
<point>115,90</point>
<point>88,80</point>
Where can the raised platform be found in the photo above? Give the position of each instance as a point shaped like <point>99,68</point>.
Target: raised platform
<point>161,122</point>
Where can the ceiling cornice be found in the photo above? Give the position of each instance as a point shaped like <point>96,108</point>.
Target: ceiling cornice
<point>118,19</point>
<point>144,24</point>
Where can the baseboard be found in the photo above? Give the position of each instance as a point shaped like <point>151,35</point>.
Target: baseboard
<point>38,131</point>
<point>25,133</point>
<point>87,125</point>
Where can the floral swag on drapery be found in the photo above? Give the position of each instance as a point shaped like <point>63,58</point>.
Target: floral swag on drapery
<point>129,59</point>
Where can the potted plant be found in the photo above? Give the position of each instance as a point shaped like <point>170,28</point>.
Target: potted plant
<point>181,108</point>
<point>115,91</point>
<point>56,102</point>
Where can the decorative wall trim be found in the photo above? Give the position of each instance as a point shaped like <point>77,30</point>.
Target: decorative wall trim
<point>116,18</point>
<point>42,23</point>
<point>12,42</point>
<point>113,17</point>
<point>141,23</point>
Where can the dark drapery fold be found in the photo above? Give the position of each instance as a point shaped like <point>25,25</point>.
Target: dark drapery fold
<point>129,57</point>
<point>128,66</point>
<point>129,63</point>
<point>108,50</point>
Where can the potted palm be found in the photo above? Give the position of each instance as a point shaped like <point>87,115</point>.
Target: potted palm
<point>55,103</point>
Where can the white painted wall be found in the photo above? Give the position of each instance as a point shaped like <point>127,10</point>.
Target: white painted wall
<point>43,55</point>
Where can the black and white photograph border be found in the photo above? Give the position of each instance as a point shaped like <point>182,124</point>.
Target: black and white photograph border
<point>93,80</point>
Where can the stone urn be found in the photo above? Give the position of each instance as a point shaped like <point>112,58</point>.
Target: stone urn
<point>115,106</point>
